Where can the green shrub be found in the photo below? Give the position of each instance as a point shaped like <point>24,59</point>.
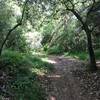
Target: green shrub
<point>83,55</point>
<point>97,54</point>
<point>45,48</point>
<point>55,50</point>
<point>78,55</point>
<point>23,80</point>
<point>14,62</point>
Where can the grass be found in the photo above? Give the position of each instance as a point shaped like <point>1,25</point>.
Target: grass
<point>97,54</point>
<point>82,55</point>
<point>77,55</point>
<point>55,50</point>
<point>22,71</point>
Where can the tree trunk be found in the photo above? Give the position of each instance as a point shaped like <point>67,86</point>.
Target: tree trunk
<point>93,66</point>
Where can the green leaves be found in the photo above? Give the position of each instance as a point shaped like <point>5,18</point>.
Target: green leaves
<point>22,71</point>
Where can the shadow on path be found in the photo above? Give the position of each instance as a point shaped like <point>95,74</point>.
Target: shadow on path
<point>60,84</point>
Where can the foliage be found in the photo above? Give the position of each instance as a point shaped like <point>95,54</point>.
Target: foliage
<point>97,54</point>
<point>47,33</point>
<point>17,41</point>
<point>70,39</point>
<point>55,50</point>
<point>82,55</point>
<point>77,55</point>
<point>60,30</point>
<point>22,71</point>
<point>50,18</point>
<point>9,18</point>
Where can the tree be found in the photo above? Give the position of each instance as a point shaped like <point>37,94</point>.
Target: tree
<point>12,29</point>
<point>80,9</point>
<point>71,6</point>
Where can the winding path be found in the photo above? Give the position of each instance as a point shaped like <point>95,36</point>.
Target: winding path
<point>60,83</point>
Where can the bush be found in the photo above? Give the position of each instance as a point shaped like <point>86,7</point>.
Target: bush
<point>55,50</point>
<point>14,62</point>
<point>78,55</point>
<point>83,55</point>
<point>22,79</point>
<point>97,54</point>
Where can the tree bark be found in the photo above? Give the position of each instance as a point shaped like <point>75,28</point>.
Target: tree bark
<point>93,66</point>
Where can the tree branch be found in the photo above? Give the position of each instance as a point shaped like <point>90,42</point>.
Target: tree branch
<point>84,24</point>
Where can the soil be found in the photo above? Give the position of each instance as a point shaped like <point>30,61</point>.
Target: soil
<point>60,84</point>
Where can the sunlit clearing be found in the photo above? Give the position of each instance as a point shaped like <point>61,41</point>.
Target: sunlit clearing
<point>40,72</point>
<point>54,76</point>
<point>49,61</point>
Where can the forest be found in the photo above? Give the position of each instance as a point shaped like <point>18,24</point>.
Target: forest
<point>49,49</point>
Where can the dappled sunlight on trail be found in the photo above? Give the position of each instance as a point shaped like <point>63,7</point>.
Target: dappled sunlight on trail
<point>49,61</point>
<point>60,84</point>
<point>54,76</point>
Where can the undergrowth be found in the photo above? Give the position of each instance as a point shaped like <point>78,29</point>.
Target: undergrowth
<point>77,55</point>
<point>82,55</point>
<point>55,50</point>
<point>20,72</point>
<point>97,54</point>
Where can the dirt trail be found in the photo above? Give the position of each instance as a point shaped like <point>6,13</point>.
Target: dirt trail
<point>60,84</point>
